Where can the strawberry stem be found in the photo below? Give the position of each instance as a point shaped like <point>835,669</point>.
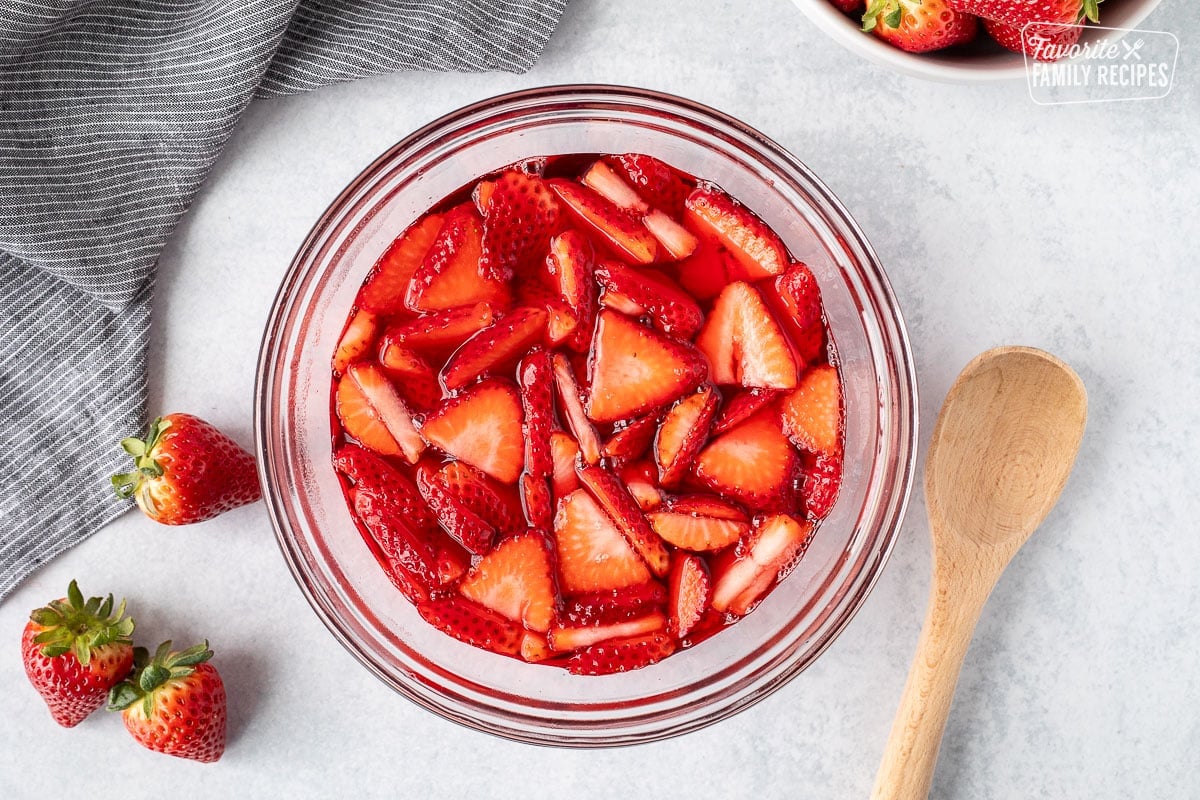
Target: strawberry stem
<point>78,626</point>
<point>152,672</point>
<point>126,484</point>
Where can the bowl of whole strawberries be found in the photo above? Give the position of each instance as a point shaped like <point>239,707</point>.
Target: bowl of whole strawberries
<point>970,40</point>
<point>586,416</point>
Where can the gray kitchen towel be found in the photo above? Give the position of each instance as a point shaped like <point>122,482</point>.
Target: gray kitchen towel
<point>111,114</point>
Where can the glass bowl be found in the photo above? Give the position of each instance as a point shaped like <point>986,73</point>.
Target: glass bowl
<point>536,703</point>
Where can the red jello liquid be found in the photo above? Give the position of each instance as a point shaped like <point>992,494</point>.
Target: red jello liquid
<point>584,412</point>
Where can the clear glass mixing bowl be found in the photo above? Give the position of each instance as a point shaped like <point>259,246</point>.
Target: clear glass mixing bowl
<point>694,687</point>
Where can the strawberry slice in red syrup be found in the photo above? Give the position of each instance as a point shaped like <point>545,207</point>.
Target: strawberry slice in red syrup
<point>606,607</point>
<point>571,264</point>
<point>356,340</point>
<point>635,369</point>
<point>389,507</point>
<point>565,638</point>
<point>630,441</point>
<point>744,343</point>
<point>618,229</point>
<point>624,511</point>
<point>586,439</point>
<point>481,426</point>
<point>439,332</point>
<point>450,274</point>
<point>472,623</point>
<point>516,580</point>
<point>812,414</point>
<point>742,575</point>
<point>656,182</point>
<point>621,655</point>
<point>501,343</point>
<point>753,463</point>
<point>796,301</point>
<point>385,288</point>
<point>683,432</point>
<point>520,216</point>
<point>372,411</point>
<point>411,375</point>
<point>691,590</point>
<point>456,518</point>
<point>756,249</point>
<point>593,555</point>
<point>671,309</point>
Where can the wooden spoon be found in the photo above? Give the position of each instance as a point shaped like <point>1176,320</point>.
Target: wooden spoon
<point>1003,446</point>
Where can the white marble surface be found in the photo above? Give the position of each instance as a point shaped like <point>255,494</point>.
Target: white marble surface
<point>999,221</point>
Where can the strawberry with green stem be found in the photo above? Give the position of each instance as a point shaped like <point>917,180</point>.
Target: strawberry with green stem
<point>919,26</point>
<point>174,703</point>
<point>1042,29</point>
<point>74,651</point>
<point>187,471</point>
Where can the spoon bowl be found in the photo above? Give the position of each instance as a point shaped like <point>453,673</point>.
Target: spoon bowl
<point>1005,441</point>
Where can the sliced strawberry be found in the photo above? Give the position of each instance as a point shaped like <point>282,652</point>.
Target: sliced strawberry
<point>707,505</point>
<point>563,638</point>
<point>450,275</point>
<point>820,480</point>
<point>630,441</point>
<point>613,496</point>
<point>570,265</point>
<point>565,452</point>
<point>356,340</point>
<point>755,248</point>
<point>621,655</point>
<point>481,196</point>
<point>601,179</point>
<point>741,576</point>
<point>677,240</point>
<point>672,310</point>
<point>706,271</point>
<point>635,369</point>
<point>797,303</point>
<point>744,405</point>
<point>535,377</point>
<point>385,288</point>
<point>411,375</point>
<point>753,463</point>
<point>495,503</point>
<point>520,216</point>
<point>592,553</point>
<point>389,506</point>
<point>638,477</point>
<point>656,182</point>
<point>562,325</point>
<point>608,607</point>
<point>691,531</point>
<point>372,411</point>
<point>473,624</point>
<point>537,502</point>
<point>572,407</point>
<point>441,331</point>
<point>690,592</point>
<point>456,517</point>
<point>516,580</point>
<point>743,342</point>
<point>623,233</point>
<point>535,648</point>
<point>497,345</point>
<point>481,426</point>
<point>683,432</point>
<point>620,302</point>
<point>812,414</point>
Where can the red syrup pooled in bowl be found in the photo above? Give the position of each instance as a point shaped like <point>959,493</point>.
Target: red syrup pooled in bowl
<point>584,413</point>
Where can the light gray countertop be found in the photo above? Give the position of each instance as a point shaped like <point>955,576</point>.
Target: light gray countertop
<point>1072,228</point>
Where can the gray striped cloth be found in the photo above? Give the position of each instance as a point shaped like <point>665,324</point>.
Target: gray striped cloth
<point>111,114</point>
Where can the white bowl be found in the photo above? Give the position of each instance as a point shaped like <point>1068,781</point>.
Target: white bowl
<point>971,64</point>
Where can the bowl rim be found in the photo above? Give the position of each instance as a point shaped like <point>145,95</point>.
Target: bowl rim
<point>284,305</point>
<point>952,67</point>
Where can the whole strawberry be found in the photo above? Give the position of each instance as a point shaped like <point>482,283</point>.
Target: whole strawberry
<point>174,703</point>
<point>1043,29</point>
<point>187,471</point>
<point>74,651</point>
<point>919,26</point>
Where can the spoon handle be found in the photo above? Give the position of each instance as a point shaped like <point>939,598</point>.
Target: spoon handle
<point>912,749</point>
